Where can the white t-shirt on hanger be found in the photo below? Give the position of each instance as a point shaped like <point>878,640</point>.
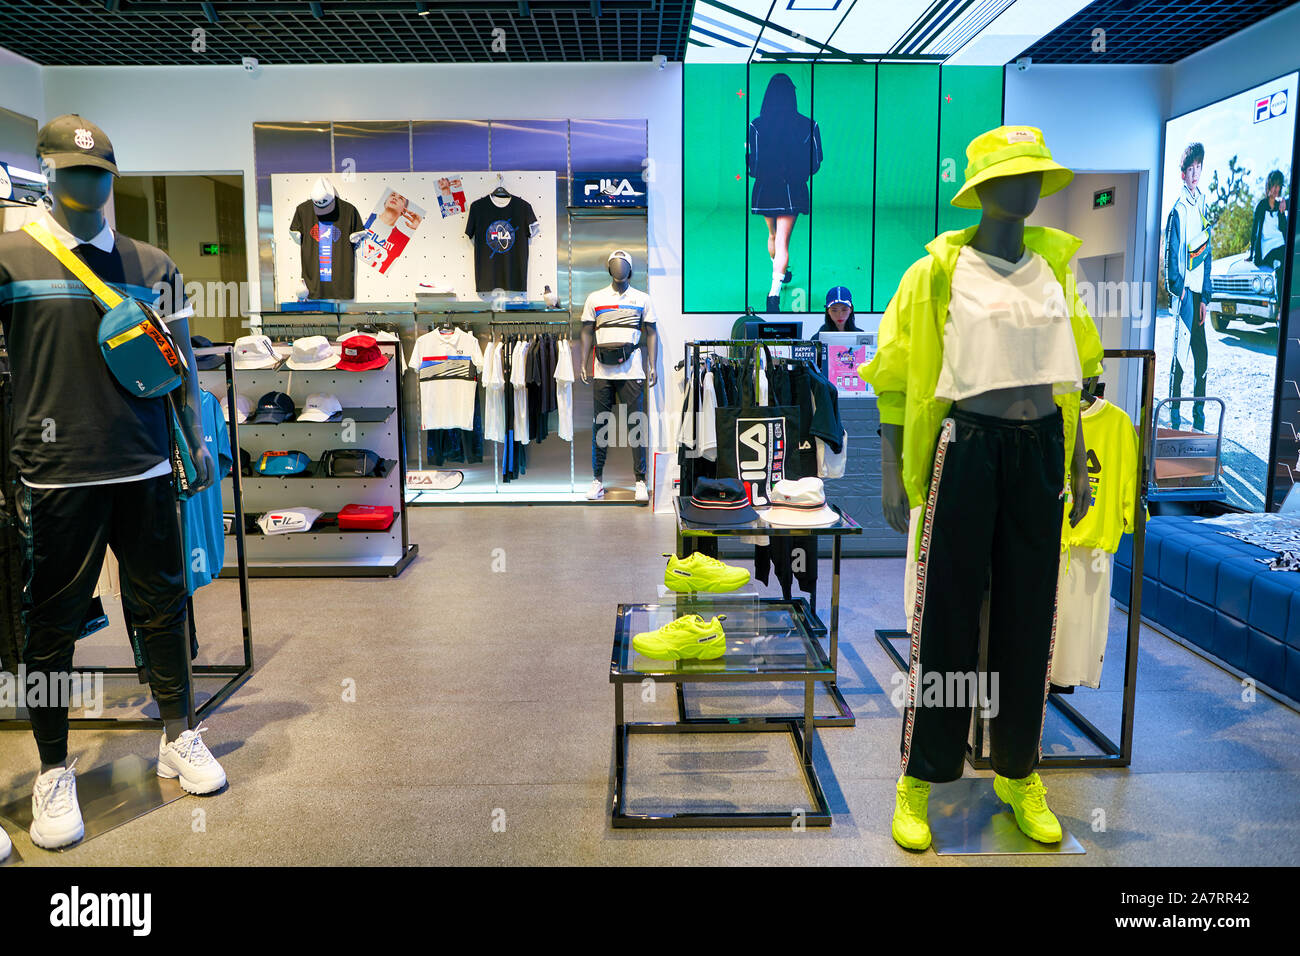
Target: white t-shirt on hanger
<point>564,388</point>
<point>447,363</point>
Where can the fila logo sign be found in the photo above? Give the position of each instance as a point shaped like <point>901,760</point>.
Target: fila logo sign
<point>760,456</point>
<point>1267,107</point>
<point>611,187</point>
<point>84,138</point>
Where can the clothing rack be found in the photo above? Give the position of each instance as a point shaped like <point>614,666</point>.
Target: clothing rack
<point>236,674</point>
<point>1112,754</point>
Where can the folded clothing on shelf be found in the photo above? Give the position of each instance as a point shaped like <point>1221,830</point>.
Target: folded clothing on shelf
<point>365,517</point>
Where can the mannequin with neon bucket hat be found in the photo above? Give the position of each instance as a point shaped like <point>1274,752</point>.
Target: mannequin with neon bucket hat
<point>95,372</point>
<point>982,354</point>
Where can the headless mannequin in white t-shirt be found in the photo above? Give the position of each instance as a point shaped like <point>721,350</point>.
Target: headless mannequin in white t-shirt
<point>323,198</point>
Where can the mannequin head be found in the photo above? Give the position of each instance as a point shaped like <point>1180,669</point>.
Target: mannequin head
<point>81,189</point>
<point>619,266</point>
<point>1010,198</point>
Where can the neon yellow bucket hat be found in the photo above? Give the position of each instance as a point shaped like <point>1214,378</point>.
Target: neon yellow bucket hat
<point>1009,151</point>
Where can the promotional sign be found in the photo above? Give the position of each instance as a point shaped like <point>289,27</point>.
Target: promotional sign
<point>1226,205</point>
<point>451,196</point>
<point>388,230</point>
<point>845,351</point>
<point>609,189</point>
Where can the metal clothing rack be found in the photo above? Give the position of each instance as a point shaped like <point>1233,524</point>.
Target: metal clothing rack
<point>843,714</point>
<point>1112,754</point>
<point>235,674</point>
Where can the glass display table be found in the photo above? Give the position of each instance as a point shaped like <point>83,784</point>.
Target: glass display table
<point>842,715</point>
<point>765,641</point>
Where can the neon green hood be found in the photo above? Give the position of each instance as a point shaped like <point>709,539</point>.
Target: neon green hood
<point>909,353</point>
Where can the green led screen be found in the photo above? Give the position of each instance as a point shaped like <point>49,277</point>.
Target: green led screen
<point>713,170</point>
<point>866,211</point>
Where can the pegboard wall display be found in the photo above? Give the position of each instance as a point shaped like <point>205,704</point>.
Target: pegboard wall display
<point>370,419</point>
<point>427,251</point>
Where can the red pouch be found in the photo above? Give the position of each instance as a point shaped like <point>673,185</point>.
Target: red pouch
<point>366,517</point>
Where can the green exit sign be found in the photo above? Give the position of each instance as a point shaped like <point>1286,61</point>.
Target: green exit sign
<point>211,249</point>
<point>1103,198</point>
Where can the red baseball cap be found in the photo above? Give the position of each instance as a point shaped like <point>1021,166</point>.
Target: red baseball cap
<point>361,353</point>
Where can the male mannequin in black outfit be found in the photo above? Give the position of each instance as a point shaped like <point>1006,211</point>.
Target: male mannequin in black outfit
<point>95,465</point>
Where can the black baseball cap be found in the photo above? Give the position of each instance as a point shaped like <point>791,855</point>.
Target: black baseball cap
<point>272,409</point>
<point>70,140</point>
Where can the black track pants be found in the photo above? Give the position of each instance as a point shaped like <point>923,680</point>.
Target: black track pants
<point>605,430</point>
<point>993,517</point>
<point>65,532</point>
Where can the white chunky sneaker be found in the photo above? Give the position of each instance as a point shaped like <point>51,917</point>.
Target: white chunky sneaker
<point>596,491</point>
<point>642,494</point>
<point>188,757</point>
<point>56,815</point>
<point>5,845</point>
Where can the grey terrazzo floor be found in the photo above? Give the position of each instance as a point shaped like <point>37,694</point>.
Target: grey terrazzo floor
<point>483,697</point>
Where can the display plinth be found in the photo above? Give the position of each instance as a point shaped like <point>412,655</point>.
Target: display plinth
<point>968,819</point>
<point>839,714</point>
<point>110,795</point>
<point>764,642</point>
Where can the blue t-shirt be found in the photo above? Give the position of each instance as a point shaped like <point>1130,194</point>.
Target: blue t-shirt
<point>204,527</point>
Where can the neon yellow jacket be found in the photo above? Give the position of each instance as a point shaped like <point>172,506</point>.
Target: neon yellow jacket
<point>909,353</point>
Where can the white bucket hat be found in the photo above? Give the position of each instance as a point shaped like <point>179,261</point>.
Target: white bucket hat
<point>799,504</point>
<point>312,352</point>
<point>254,352</point>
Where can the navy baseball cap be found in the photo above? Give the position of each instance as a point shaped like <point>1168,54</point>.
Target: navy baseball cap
<point>272,409</point>
<point>840,295</point>
<point>209,361</point>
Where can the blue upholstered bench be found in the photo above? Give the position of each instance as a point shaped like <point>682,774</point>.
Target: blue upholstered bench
<point>1210,590</point>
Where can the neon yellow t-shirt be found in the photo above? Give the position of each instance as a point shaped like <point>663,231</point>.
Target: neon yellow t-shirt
<point>1112,472</point>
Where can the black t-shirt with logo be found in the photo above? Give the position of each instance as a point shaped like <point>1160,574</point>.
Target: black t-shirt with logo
<point>328,263</point>
<point>72,422</point>
<point>500,235</point>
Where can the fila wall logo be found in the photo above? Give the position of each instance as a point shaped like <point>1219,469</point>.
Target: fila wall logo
<point>609,189</point>
<point>760,455</point>
<point>84,138</point>
<point>1268,107</point>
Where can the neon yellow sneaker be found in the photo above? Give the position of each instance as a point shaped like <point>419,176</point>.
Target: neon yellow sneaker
<point>699,572</point>
<point>911,827</point>
<point>1028,799</point>
<point>690,637</point>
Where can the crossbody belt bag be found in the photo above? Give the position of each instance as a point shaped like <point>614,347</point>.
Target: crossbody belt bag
<point>137,348</point>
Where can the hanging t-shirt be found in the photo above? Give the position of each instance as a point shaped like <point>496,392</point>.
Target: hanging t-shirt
<point>494,383</point>
<point>1112,472</point>
<point>447,363</point>
<point>519,381</point>
<point>328,263</point>
<point>564,389</point>
<point>201,517</point>
<point>617,319</point>
<point>500,235</point>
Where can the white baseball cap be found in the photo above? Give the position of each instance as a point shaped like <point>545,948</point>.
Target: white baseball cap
<point>799,504</point>
<point>320,408</point>
<point>254,352</point>
<point>243,407</point>
<point>620,254</point>
<point>312,352</point>
<point>288,520</point>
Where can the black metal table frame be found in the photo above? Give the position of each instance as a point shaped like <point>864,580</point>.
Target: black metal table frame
<point>1112,754</point>
<point>238,674</point>
<point>819,815</point>
<point>807,610</point>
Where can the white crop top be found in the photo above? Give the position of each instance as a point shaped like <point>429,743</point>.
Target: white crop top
<point>1007,326</point>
